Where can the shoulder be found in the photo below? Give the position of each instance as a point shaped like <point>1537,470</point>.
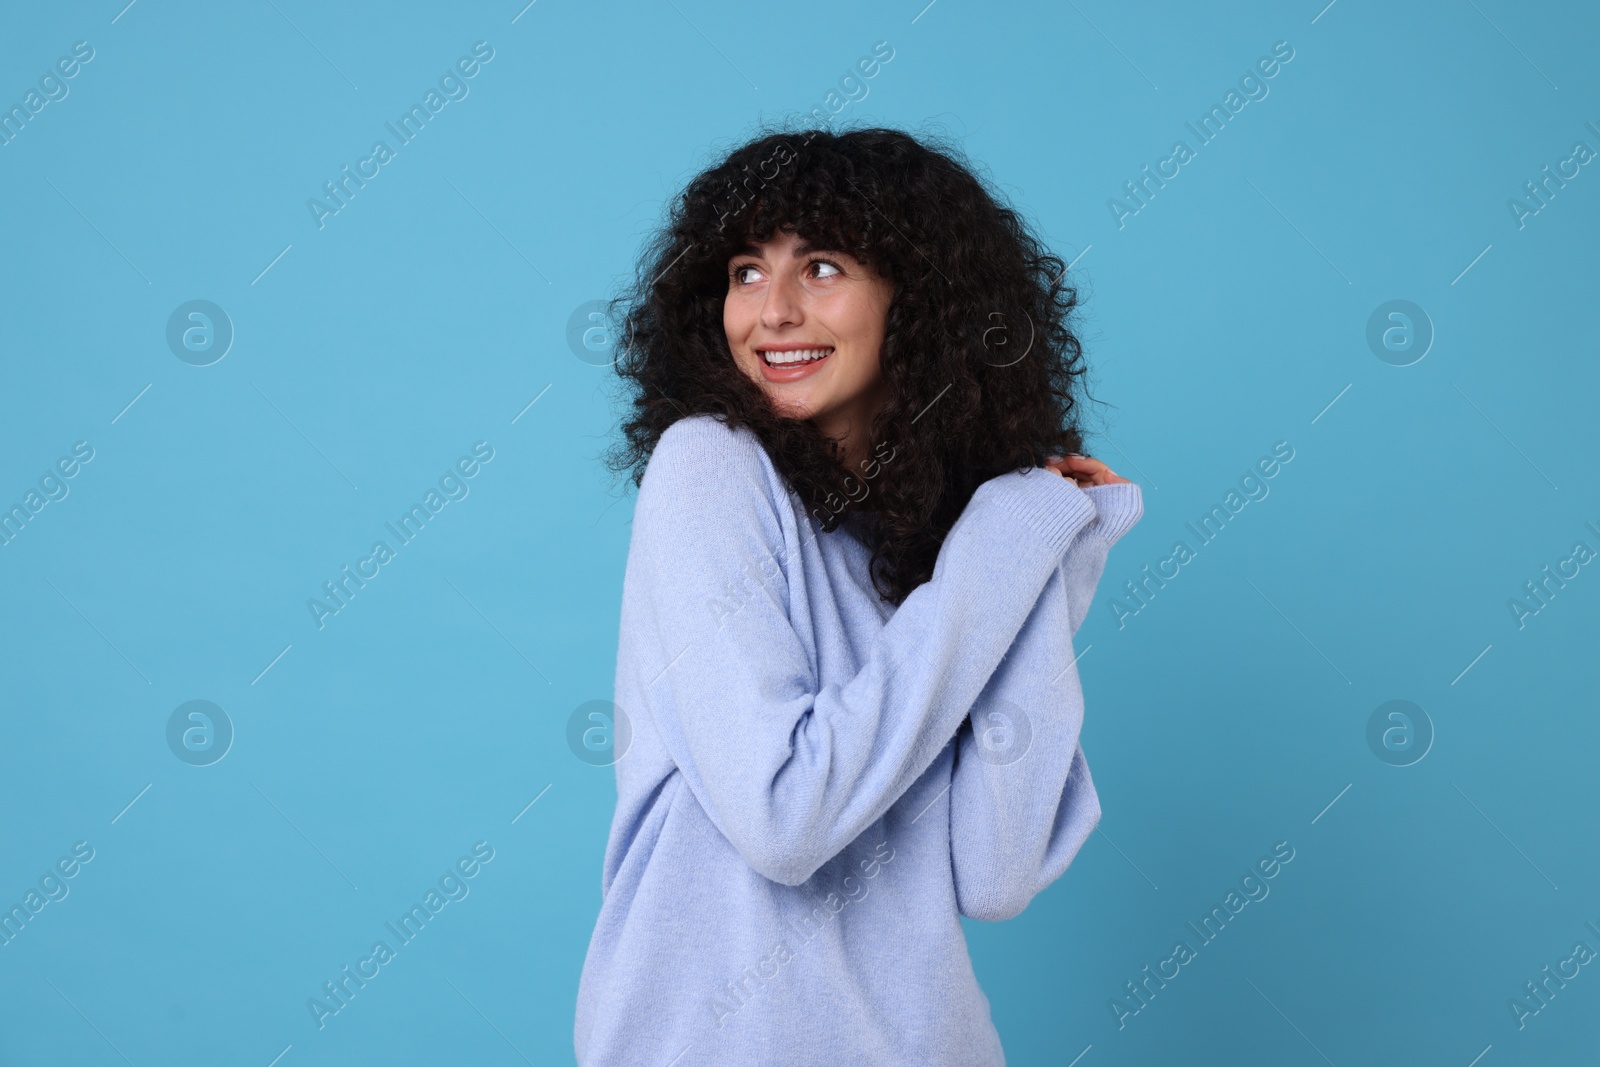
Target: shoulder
<point>704,446</point>
<point>707,436</point>
<point>702,462</point>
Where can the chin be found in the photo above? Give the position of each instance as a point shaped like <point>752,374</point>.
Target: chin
<point>791,409</point>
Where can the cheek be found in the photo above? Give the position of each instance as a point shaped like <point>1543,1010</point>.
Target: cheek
<point>869,336</point>
<point>864,369</point>
<point>735,324</point>
<point>875,314</point>
<point>862,321</point>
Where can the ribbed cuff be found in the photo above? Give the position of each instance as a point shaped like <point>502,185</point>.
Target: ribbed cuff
<point>1117,507</point>
<point>1053,507</point>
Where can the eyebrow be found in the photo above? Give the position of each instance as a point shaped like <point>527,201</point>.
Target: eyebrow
<point>804,248</point>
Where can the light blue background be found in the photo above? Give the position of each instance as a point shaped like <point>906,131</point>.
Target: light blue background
<point>1229,314</point>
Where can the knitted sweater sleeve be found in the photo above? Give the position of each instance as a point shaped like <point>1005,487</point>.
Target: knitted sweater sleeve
<point>1021,799</point>
<point>791,771</point>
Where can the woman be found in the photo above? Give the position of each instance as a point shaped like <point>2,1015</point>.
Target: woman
<point>846,639</point>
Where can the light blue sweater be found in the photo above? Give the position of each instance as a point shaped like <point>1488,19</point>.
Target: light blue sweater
<point>804,809</point>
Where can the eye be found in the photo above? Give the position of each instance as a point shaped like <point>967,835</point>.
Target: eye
<point>826,268</point>
<point>829,264</point>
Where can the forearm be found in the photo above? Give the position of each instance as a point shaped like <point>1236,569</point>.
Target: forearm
<point>1022,799</point>
<point>791,772</point>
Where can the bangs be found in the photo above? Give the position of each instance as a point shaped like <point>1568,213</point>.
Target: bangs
<point>785,185</point>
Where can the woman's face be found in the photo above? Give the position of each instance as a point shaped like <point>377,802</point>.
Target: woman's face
<point>788,301</point>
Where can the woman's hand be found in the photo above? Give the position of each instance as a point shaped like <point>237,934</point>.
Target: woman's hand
<point>1083,470</point>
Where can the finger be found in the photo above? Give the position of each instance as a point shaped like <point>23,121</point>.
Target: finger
<point>1084,464</point>
<point>1083,471</point>
<point>1088,470</point>
<point>1056,466</point>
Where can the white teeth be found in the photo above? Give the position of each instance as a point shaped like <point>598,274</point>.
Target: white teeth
<point>780,358</point>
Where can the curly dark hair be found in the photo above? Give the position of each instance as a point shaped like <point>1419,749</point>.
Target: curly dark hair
<point>982,365</point>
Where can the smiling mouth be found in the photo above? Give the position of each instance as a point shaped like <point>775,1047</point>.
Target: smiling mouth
<point>795,358</point>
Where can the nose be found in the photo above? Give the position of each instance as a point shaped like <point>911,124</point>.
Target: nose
<point>781,305</point>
